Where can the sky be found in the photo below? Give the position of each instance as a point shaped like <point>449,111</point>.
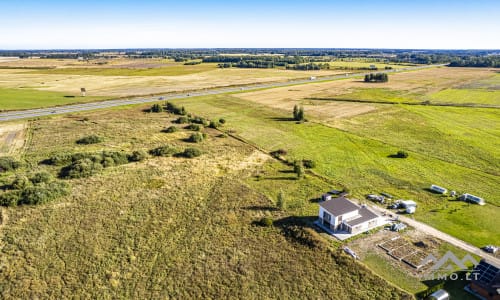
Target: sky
<point>91,24</point>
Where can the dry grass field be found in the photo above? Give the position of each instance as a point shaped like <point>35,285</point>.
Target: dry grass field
<point>122,78</point>
<point>12,138</point>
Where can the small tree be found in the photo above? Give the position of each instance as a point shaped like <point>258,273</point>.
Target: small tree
<point>402,154</point>
<point>170,129</point>
<point>298,168</point>
<point>156,108</point>
<point>281,201</point>
<point>295,112</point>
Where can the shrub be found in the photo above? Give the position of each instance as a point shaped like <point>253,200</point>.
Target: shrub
<point>156,108</point>
<point>91,139</point>
<point>163,151</point>
<point>194,127</point>
<point>278,153</point>
<point>182,120</point>
<point>108,162</point>
<point>138,155</point>
<point>41,177</point>
<point>402,154</point>
<point>119,158</point>
<point>266,222</point>
<point>20,182</point>
<point>214,124</point>
<point>308,163</point>
<point>196,137</point>
<point>10,198</point>
<point>58,159</point>
<point>191,152</point>
<point>43,193</point>
<point>80,168</point>
<point>8,163</point>
<point>222,121</point>
<point>200,120</point>
<point>170,129</point>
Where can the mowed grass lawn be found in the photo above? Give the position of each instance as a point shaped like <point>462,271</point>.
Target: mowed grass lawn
<point>16,98</point>
<point>362,164</point>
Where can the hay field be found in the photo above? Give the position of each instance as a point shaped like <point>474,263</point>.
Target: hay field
<point>166,227</point>
<point>115,81</point>
<point>12,138</point>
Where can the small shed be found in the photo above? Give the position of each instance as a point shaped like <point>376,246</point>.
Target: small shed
<point>411,209</point>
<point>471,198</point>
<point>408,203</point>
<point>440,295</point>
<point>438,189</point>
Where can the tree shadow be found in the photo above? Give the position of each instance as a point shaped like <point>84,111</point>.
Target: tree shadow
<point>282,119</point>
<point>287,171</point>
<point>394,156</point>
<point>301,230</point>
<point>260,208</point>
<point>280,178</point>
<point>315,200</point>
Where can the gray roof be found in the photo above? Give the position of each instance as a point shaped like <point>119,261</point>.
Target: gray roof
<point>365,215</point>
<point>339,206</point>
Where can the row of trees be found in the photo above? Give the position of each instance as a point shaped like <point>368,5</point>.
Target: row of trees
<point>379,77</point>
<point>309,66</point>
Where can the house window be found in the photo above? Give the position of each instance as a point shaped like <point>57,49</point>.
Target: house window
<point>326,216</point>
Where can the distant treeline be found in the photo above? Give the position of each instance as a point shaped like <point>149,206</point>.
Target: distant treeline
<point>267,62</point>
<point>477,62</point>
<point>272,57</point>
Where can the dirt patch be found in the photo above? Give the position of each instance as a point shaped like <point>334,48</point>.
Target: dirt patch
<point>12,138</point>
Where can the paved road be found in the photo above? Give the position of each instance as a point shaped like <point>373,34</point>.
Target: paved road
<point>442,236</point>
<point>33,113</point>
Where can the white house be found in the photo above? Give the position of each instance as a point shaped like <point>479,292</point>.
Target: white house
<point>343,215</point>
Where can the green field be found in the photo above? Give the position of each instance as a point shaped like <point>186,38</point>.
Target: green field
<point>13,99</point>
<point>362,164</point>
<point>175,70</point>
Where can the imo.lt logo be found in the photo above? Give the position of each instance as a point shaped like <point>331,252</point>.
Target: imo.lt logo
<point>449,262</point>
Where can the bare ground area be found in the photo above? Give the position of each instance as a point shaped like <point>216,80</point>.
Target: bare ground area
<point>12,138</point>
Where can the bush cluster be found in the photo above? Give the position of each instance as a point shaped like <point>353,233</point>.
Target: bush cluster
<point>191,152</point>
<point>8,163</point>
<point>379,77</point>
<point>163,151</point>
<point>170,129</point>
<point>37,190</point>
<point>298,113</point>
<point>194,127</point>
<point>172,108</point>
<point>88,164</point>
<point>138,155</point>
<point>91,139</point>
<point>196,137</point>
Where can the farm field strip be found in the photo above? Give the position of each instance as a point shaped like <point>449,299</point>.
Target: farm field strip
<point>111,103</point>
